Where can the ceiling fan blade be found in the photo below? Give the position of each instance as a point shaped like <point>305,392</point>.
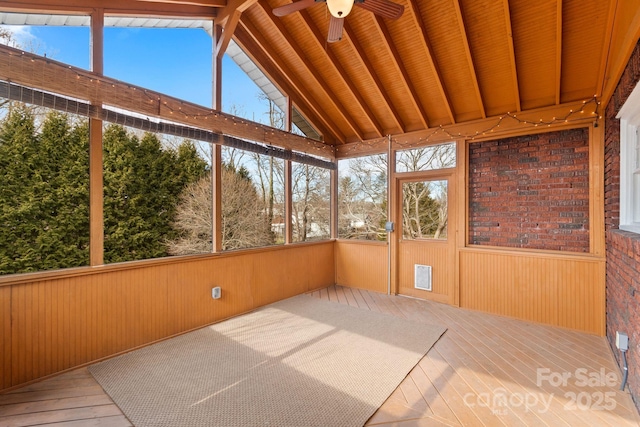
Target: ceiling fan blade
<point>335,29</point>
<point>385,8</point>
<point>294,7</point>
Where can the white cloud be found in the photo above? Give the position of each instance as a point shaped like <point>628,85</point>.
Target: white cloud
<point>19,36</point>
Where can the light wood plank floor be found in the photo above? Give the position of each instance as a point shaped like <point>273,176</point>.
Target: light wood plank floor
<point>485,371</point>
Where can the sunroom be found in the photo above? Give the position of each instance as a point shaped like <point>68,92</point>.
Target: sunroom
<point>466,166</point>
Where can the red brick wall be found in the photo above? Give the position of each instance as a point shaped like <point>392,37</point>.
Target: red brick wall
<point>531,191</point>
<point>623,248</point>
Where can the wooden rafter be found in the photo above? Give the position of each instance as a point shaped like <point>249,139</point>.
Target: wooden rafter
<point>558,50</point>
<point>388,45</point>
<point>414,11</point>
<point>247,29</point>
<point>467,50</point>
<point>320,43</point>
<point>318,79</point>
<point>606,49</point>
<point>348,36</point>
<point>512,55</point>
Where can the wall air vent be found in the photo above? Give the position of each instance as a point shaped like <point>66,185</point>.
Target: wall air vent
<point>423,277</point>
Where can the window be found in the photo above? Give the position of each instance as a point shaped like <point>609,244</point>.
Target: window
<point>310,203</point>
<point>63,38</point>
<point>362,198</point>
<point>44,189</point>
<point>629,116</point>
<point>427,158</point>
<point>181,57</point>
<point>252,199</point>
<point>155,195</point>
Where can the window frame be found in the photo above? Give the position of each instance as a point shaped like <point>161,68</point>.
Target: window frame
<point>629,116</point>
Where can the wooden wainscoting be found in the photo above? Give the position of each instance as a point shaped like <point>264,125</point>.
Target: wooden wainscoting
<point>362,264</point>
<point>559,290</point>
<point>52,325</point>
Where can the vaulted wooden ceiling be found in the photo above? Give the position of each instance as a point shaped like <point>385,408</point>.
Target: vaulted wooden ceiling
<point>442,62</point>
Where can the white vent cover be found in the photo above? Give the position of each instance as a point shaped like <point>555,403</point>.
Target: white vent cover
<point>423,277</point>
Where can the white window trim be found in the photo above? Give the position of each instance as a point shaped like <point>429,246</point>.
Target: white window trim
<point>629,116</point>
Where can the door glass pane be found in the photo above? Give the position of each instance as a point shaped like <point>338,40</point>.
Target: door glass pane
<point>424,210</point>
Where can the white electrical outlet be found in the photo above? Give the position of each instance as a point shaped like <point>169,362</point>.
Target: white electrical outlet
<point>216,292</point>
<point>622,341</point>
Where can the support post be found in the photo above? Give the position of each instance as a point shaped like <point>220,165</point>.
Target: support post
<point>96,184</point>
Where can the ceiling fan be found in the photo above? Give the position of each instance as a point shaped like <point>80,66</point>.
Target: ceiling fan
<point>339,9</point>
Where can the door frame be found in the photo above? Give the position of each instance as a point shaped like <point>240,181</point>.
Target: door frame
<point>448,174</point>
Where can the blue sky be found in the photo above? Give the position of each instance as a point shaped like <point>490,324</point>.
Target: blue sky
<point>176,62</point>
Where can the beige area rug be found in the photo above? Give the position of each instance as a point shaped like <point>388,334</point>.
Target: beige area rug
<point>299,362</point>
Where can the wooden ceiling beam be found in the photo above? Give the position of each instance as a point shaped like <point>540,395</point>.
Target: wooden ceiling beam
<point>414,11</point>
<point>115,7</point>
<point>231,9</point>
<point>227,33</point>
<point>388,45</point>
<point>227,18</point>
<point>319,81</point>
<point>333,60</point>
<point>482,129</point>
<point>348,36</point>
<point>558,50</point>
<point>467,51</point>
<point>297,86</point>
<point>512,55</point>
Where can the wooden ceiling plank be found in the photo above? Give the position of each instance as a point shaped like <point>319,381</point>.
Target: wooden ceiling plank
<point>387,43</point>
<point>274,59</point>
<point>512,54</point>
<point>414,10</point>
<point>349,36</point>
<point>467,51</point>
<point>558,50</point>
<point>319,80</point>
<point>320,43</point>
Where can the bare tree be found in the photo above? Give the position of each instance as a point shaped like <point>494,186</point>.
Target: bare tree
<point>426,158</point>
<point>310,202</point>
<point>362,198</point>
<point>244,224</point>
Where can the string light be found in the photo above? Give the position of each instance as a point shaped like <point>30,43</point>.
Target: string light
<point>439,132</point>
<point>443,130</point>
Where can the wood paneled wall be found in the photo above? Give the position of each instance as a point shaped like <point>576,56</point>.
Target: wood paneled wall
<point>55,324</point>
<point>362,264</point>
<point>548,288</point>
